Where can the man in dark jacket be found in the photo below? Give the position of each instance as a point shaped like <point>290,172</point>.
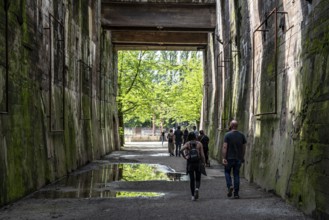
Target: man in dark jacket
<point>178,140</point>
<point>233,156</point>
<point>204,139</point>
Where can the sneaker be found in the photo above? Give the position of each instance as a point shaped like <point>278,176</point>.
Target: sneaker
<point>193,199</point>
<point>230,191</point>
<point>196,193</point>
<point>236,197</point>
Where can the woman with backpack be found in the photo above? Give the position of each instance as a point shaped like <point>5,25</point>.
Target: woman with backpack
<point>192,151</point>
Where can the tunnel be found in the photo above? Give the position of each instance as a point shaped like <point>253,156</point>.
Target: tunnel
<point>265,65</point>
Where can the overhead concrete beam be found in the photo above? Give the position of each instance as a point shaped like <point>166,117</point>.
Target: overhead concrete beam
<point>158,16</point>
<point>159,24</point>
<point>158,47</point>
<point>161,38</point>
<point>197,2</point>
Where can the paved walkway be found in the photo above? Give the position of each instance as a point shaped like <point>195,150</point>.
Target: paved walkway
<point>112,188</point>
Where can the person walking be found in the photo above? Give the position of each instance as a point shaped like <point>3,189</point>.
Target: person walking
<point>178,140</point>
<point>233,151</point>
<point>185,134</point>
<point>171,144</point>
<point>204,139</point>
<point>196,133</point>
<point>192,151</point>
<point>162,137</point>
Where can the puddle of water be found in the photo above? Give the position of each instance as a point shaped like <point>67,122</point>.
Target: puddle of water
<point>95,183</point>
<point>123,194</point>
<point>54,194</point>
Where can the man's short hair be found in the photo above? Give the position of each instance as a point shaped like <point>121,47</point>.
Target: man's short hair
<point>234,124</point>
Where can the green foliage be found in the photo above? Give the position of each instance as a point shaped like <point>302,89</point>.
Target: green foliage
<point>136,194</point>
<point>121,131</point>
<point>141,172</point>
<point>162,85</point>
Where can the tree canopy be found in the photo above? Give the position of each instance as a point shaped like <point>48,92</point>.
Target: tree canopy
<point>163,86</point>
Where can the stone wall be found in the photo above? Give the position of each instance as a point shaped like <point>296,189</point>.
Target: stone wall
<point>272,76</point>
<point>58,108</point>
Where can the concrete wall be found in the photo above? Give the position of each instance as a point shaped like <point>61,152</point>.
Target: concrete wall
<point>55,123</point>
<point>275,83</point>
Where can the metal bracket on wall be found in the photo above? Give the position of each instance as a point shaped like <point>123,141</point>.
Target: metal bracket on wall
<point>53,24</point>
<point>6,63</point>
<point>85,76</point>
<point>217,60</point>
<point>274,12</point>
<point>102,75</point>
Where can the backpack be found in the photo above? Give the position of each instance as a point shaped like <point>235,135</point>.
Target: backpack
<point>193,154</point>
<point>170,138</point>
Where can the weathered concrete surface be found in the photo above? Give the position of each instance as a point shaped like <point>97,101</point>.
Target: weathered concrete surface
<point>274,81</point>
<point>175,204</point>
<point>61,92</point>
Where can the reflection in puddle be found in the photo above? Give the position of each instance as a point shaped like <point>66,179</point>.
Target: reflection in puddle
<point>96,183</point>
<point>138,194</point>
<point>54,194</point>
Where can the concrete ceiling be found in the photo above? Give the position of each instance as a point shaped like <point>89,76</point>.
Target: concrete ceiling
<point>159,25</point>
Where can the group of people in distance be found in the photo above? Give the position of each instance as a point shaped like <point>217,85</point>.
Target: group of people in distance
<point>195,151</point>
<point>178,138</point>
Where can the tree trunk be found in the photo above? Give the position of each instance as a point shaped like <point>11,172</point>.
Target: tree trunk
<point>121,125</point>
<point>153,125</point>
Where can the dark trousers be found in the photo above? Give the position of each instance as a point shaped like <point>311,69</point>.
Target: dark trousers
<point>193,170</point>
<point>206,154</point>
<point>178,147</point>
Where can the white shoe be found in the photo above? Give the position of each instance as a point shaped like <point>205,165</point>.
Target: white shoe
<point>196,193</point>
<point>193,199</point>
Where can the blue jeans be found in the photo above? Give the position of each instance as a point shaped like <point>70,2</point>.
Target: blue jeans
<point>235,165</point>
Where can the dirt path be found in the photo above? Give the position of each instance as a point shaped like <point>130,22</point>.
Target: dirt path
<point>111,188</point>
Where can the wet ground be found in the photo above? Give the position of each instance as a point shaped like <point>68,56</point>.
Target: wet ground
<point>143,182</point>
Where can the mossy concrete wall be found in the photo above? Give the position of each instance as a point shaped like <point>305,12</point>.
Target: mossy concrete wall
<point>274,81</point>
<point>61,92</point>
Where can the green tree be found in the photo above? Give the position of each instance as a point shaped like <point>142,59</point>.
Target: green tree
<point>159,87</point>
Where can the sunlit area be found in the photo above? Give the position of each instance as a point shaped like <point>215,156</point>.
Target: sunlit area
<point>103,181</point>
<point>158,90</point>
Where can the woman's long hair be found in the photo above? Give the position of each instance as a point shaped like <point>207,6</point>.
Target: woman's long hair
<point>191,136</point>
